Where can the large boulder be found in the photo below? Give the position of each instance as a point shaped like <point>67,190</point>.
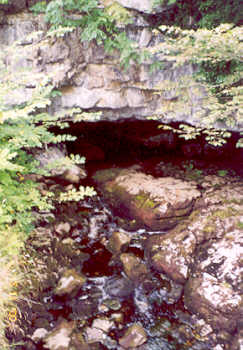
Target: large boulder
<point>215,289</point>
<point>153,203</point>
<point>203,253</point>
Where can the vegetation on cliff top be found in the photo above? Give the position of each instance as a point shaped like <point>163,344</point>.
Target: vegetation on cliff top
<point>217,52</point>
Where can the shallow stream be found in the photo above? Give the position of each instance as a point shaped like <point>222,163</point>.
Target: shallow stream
<point>156,303</point>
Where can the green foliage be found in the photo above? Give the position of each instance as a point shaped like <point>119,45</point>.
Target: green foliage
<point>213,13</point>
<point>96,24</point>
<point>192,173</point>
<point>217,53</point>
<point>74,195</point>
<point>215,137</point>
<point>3,1</point>
<point>240,225</point>
<point>24,127</point>
<point>39,7</point>
<point>222,173</point>
<point>156,66</point>
<point>19,196</point>
<point>239,143</point>
<point>119,14</point>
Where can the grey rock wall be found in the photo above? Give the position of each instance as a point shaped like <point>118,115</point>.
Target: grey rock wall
<point>90,79</point>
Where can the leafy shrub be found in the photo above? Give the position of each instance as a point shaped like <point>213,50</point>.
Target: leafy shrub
<point>96,23</point>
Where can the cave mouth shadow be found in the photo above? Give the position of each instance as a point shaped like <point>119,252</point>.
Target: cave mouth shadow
<point>129,142</point>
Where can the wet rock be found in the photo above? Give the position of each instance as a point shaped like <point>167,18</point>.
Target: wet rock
<point>78,342</point>
<point>134,336</point>
<point>204,252</point>
<point>94,335</point>
<point>39,334</point>
<point>119,287</point>
<point>70,283</point>
<point>111,304</point>
<point>214,290</point>
<point>145,38</point>
<point>174,293</point>
<point>41,323</point>
<point>104,324</point>
<point>60,337</point>
<point>174,252</point>
<point>84,308</point>
<point>117,317</point>
<point>63,228</point>
<point>29,345</point>
<point>171,253</point>
<point>153,203</point>
<point>134,268</point>
<point>117,241</point>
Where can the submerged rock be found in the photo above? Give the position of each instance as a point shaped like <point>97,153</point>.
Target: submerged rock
<point>154,203</point>
<point>119,287</point>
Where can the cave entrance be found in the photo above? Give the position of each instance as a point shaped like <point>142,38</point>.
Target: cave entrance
<point>129,142</point>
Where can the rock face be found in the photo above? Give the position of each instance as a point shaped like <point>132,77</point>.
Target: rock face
<point>215,289</point>
<point>89,78</point>
<point>204,253</point>
<point>157,204</point>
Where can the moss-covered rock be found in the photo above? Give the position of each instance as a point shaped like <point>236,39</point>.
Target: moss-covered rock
<point>154,203</point>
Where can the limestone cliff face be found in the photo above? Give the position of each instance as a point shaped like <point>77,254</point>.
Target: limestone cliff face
<point>91,79</point>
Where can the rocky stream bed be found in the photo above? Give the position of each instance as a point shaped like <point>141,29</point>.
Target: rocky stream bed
<point>152,262</point>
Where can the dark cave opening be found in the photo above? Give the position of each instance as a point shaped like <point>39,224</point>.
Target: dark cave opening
<point>129,142</point>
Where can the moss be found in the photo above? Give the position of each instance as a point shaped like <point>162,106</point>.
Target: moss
<point>240,225</point>
<point>194,215</point>
<point>224,213</point>
<point>210,228</point>
<point>143,200</point>
<point>233,201</point>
